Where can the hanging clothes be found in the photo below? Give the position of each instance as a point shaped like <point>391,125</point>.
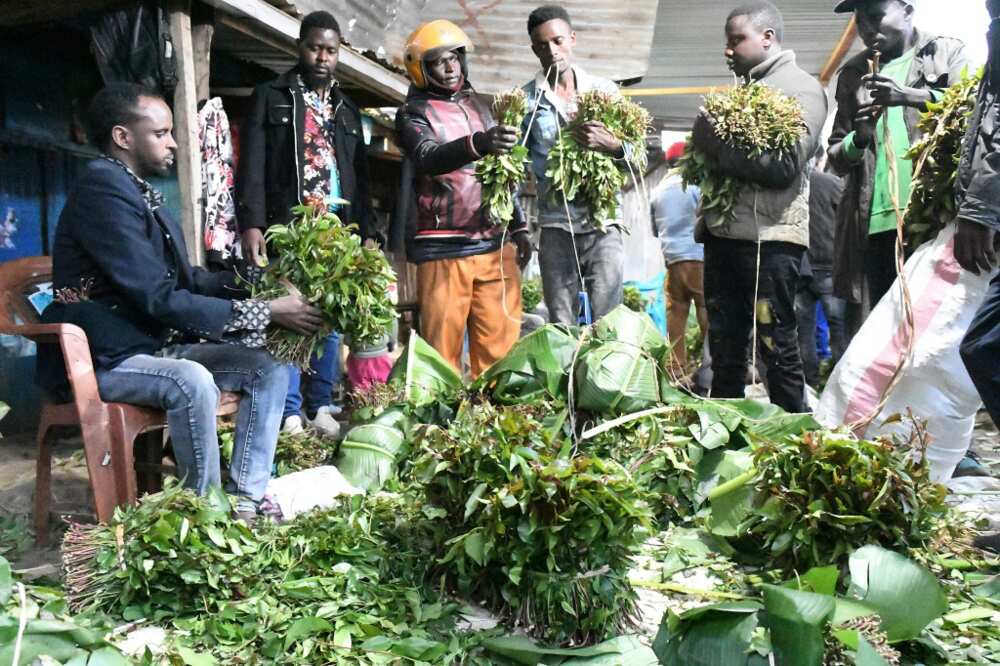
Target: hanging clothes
<point>222,244</point>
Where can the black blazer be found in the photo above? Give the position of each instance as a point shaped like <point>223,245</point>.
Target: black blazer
<point>269,182</point>
<point>136,260</point>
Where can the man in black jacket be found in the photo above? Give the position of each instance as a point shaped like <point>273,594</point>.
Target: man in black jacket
<point>302,144</point>
<point>825,192</point>
<point>121,272</point>
<point>978,189</point>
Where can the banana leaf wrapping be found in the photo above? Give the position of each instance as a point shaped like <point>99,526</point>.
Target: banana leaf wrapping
<point>424,373</point>
<point>368,455</point>
<point>536,367</point>
<point>620,371</point>
<point>617,377</point>
<point>635,328</point>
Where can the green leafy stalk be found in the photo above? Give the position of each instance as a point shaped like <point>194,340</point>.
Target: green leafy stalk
<point>502,174</point>
<point>752,117</point>
<point>591,176</point>
<point>932,196</point>
<point>325,260</point>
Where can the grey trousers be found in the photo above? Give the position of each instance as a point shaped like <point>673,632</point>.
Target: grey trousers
<point>602,261</point>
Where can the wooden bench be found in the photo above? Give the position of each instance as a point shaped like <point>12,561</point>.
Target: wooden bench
<point>110,430</point>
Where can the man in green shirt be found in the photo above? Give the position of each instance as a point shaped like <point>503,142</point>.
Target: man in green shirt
<point>915,68</point>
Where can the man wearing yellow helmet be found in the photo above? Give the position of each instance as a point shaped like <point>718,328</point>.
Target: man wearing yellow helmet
<point>467,280</point>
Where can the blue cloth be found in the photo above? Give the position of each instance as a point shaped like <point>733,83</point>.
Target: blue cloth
<point>544,131</point>
<point>319,383</point>
<point>656,299</point>
<point>822,332</point>
<point>184,381</point>
<point>675,212</point>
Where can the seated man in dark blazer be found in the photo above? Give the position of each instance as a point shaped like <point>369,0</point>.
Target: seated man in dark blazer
<point>120,270</point>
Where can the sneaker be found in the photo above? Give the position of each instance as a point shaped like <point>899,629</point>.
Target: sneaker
<point>325,422</point>
<point>293,425</point>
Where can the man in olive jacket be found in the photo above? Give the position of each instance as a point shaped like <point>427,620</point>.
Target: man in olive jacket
<point>759,251</point>
<point>864,252</point>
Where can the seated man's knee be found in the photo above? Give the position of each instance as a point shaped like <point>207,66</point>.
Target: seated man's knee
<point>195,384</point>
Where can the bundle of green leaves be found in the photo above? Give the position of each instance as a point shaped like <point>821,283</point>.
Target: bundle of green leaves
<point>594,176</point>
<point>340,586</point>
<point>294,452</point>
<point>932,194</point>
<point>502,174</point>
<point>542,537</point>
<point>170,553</point>
<point>633,298</point>
<point>818,496</point>
<point>531,294</point>
<point>752,117</point>
<point>325,260</point>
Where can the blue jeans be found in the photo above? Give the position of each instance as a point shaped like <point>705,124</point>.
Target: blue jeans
<point>981,349</point>
<point>319,383</point>
<point>185,381</point>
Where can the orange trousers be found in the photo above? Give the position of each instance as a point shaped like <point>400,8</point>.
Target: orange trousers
<point>468,293</point>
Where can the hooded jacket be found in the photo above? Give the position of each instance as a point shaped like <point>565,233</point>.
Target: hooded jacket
<point>774,207</point>
<point>937,64</point>
<point>269,182</point>
<point>441,198</point>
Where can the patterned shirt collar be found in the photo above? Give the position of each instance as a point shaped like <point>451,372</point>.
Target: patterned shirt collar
<point>153,197</point>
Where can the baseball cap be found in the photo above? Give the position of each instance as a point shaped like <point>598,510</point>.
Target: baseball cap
<point>846,6</point>
<point>675,151</point>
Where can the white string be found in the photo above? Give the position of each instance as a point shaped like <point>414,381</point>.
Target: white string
<point>756,288</point>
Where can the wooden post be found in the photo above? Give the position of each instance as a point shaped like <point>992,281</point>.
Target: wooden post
<point>186,129</point>
<point>201,36</point>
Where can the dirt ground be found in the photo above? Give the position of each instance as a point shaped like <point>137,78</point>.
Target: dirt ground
<point>71,493</point>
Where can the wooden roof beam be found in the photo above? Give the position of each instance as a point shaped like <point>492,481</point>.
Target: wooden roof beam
<point>284,29</point>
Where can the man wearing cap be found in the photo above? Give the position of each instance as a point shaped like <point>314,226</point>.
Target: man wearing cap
<point>468,279</point>
<point>674,212</point>
<point>914,69</point>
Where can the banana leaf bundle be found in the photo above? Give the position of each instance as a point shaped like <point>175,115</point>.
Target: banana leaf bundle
<point>621,369</point>
<point>535,368</point>
<point>425,376</point>
<point>502,174</point>
<point>932,195</point>
<point>592,176</point>
<point>368,452</point>
<point>752,117</point>
<point>324,259</point>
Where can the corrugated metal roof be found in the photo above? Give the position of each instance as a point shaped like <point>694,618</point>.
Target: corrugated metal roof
<point>503,56</point>
<point>689,41</point>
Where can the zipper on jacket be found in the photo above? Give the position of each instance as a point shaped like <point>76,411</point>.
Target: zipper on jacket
<point>296,139</point>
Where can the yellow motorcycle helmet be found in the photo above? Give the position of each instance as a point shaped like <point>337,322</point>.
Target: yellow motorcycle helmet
<point>429,41</point>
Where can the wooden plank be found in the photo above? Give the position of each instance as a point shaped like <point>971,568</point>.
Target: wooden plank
<point>657,92</point>
<point>352,65</point>
<point>840,52</point>
<point>201,37</point>
<point>186,129</point>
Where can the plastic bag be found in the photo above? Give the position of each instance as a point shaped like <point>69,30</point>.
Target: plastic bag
<point>935,384</point>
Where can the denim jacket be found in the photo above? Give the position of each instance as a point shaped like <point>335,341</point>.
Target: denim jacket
<point>543,131</point>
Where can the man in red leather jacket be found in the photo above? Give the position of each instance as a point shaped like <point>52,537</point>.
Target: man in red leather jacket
<point>468,275</point>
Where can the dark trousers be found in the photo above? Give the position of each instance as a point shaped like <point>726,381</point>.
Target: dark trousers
<point>818,288</point>
<point>880,265</point>
<point>981,350</point>
<point>730,272</point>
